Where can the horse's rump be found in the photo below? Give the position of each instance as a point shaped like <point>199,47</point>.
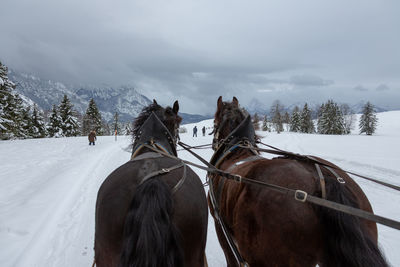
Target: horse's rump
<point>279,228</point>
<point>115,196</point>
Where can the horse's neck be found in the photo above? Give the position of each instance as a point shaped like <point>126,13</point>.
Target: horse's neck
<point>233,157</point>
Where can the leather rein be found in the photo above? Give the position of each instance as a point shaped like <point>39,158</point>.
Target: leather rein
<point>298,195</point>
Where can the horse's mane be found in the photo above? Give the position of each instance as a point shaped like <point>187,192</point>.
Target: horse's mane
<point>142,117</point>
<point>236,114</point>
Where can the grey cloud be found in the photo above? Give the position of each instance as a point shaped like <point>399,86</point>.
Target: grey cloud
<point>360,88</point>
<point>382,87</point>
<point>309,80</point>
<point>259,49</point>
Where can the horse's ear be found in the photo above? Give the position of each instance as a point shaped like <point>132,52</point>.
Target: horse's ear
<point>155,102</point>
<point>235,101</point>
<point>175,108</point>
<point>219,103</point>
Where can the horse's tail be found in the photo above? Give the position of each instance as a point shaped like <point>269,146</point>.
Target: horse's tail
<point>150,237</point>
<point>347,242</point>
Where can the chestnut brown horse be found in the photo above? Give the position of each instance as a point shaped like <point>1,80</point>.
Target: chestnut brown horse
<point>273,229</point>
<point>152,211</point>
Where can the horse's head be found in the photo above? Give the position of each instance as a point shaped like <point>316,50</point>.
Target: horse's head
<point>227,117</point>
<point>168,116</point>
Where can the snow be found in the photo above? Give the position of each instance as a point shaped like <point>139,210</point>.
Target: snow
<point>49,187</point>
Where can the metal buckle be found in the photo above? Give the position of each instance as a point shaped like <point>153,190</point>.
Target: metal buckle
<point>237,178</point>
<point>300,195</point>
<point>163,170</point>
<point>341,180</point>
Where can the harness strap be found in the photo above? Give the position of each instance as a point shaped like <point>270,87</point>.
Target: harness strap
<point>321,180</point>
<point>147,155</point>
<point>228,237</point>
<point>165,171</point>
<point>281,152</point>
<point>299,195</point>
<point>181,181</point>
<point>338,178</point>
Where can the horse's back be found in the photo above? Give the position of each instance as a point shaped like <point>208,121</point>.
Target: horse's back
<point>115,196</point>
<point>277,226</point>
<point>287,232</point>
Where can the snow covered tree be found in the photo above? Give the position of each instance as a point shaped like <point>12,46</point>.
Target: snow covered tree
<point>38,126</point>
<point>10,107</point>
<point>368,120</point>
<point>27,125</point>
<point>265,126</point>
<point>53,127</point>
<point>306,123</point>
<point>276,116</point>
<point>69,122</point>
<point>286,120</point>
<point>349,117</point>
<point>256,122</point>
<point>92,119</point>
<point>331,119</point>
<point>295,120</point>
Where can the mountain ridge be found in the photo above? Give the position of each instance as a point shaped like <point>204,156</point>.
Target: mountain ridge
<point>125,99</point>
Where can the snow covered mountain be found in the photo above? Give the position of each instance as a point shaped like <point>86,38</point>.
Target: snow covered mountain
<point>123,99</point>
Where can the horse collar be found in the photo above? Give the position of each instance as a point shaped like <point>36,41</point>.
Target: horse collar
<point>244,132</point>
<point>153,132</point>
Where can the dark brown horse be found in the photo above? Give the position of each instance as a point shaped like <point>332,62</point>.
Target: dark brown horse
<point>273,229</point>
<point>152,211</point>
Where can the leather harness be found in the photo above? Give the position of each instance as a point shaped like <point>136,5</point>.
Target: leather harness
<point>243,136</point>
<point>154,134</point>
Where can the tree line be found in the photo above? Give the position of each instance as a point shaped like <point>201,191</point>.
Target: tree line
<point>329,118</point>
<point>19,120</point>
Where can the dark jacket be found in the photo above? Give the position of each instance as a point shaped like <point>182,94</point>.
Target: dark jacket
<point>92,136</point>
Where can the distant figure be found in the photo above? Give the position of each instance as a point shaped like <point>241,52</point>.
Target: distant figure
<point>204,130</point>
<point>92,137</point>
<point>195,131</point>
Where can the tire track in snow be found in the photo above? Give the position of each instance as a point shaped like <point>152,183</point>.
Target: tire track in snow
<point>72,215</point>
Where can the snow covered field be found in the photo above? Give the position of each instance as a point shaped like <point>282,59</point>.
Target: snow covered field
<point>49,186</point>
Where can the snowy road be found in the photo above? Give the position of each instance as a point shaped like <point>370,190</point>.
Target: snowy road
<point>49,187</point>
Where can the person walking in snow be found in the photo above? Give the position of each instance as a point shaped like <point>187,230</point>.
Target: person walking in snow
<point>204,130</point>
<point>92,137</point>
<point>195,131</point>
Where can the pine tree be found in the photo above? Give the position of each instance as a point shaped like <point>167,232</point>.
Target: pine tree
<point>27,124</point>
<point>265,126</point>
<point>128,130</point>
<point>276,117</point>
<point>349,117</point>
<point>368,120</point>
<point>92,119</point>
<point>306,123</point>
<point>38,126</point>
<point>69,122</point>
<point>256,122</point>
<point>116,124</point>
<point>10,107</point>
<point>53,127</point>
<point>331,119</point>
<point>295,120</point>
<point>286,120</point>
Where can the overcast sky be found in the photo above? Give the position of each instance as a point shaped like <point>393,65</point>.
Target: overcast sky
<point>195,51</point>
